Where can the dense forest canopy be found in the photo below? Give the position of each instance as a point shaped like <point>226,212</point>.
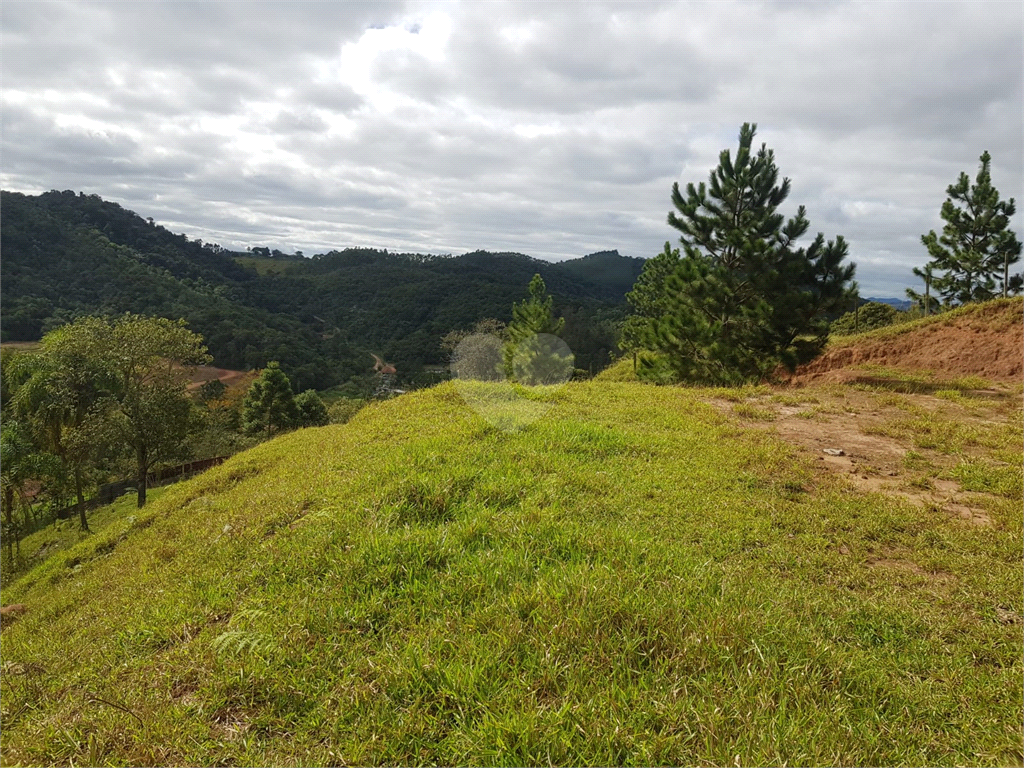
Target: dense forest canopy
<point>68,254</point>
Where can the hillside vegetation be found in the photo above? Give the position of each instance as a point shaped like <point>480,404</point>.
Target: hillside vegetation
<point>68,255</point>
<point>637,577</point>
<point>983,340</point>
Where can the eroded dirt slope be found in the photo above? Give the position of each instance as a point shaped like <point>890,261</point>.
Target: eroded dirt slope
<point>986,340</point>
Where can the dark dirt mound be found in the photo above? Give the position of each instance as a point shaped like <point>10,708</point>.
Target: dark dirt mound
<point>986,340</point>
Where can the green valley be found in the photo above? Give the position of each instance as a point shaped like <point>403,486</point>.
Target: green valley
<point>68,255</point>
<point>747,519</point>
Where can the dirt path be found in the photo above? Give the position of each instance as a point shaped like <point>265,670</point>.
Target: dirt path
<point>878,440</point>
<point>228,377</point>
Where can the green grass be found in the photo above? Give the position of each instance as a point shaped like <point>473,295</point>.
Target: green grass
<point>989,477</point>
<point>996,315</point>
<point>265,266</point>
<point>632,579</point>
<point>879,379</point>
<point>795,398</point>
<point>913,460</point>
<point>754,412</point>
<point>736,394</point>
<point>943,432</point>
<point>62,535</point>
<point>651,367</point>
<point>620,371</point>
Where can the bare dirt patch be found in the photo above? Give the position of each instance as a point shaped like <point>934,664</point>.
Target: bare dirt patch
<point>226,376</point>
<point>840,429</point>
<point>230,724</point>
<point>969,514</point>
<point>987,343</point>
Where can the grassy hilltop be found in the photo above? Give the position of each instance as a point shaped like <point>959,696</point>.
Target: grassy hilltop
<point>644,575</point>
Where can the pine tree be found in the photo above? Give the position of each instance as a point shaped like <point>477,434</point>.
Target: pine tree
<point>269,404</point>
<point>647,300</point>
<point>744,298</point>
<point>532,355</point>
<point>977,246</point>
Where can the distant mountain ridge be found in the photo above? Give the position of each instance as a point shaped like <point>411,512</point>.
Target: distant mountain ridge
<point>901,304</point>
<point>67,255</point>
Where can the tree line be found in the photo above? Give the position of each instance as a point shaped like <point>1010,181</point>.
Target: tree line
<point>68,255</point>
<point>741,297</point>
<point>102,398</point>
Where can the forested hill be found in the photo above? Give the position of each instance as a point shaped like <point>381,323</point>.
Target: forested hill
<point>66,254</point>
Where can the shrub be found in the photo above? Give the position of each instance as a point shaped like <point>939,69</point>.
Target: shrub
<point>871,315</point>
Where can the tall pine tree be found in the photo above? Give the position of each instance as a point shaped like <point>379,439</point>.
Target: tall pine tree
<point>744,298</point>
<point>533,355</point>
<point>977,246</point>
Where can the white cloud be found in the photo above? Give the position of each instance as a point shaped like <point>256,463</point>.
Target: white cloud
<point>452,126</point>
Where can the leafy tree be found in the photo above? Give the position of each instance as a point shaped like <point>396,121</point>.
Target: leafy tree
<point>477,354</point>
<point>312,410</point>
<point>226,410</point>
<point>15,448</point>
<point>212,390</point>
<point>153,416</point>
<point>744,298</point>
<point>486,327</point>
<point>528,358</point>
<point>22,461</point>
<point>98,387</point>
<point>64,399</point>
<point>344,408</point>
<point>269,405</point>
<point>977,246</point>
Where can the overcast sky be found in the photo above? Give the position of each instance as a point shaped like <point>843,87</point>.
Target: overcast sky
<point>552,129</point>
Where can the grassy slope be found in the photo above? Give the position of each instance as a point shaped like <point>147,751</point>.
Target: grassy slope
<point>632,579</point>
<point>997,315</point>
<point>62,535</point>
<point>621,371</point>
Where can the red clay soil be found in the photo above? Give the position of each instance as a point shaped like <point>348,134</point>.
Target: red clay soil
<point>988,342</point>
<point>205,373</point>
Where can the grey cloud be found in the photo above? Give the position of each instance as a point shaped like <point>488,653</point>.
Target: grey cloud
<point>208,55</point>
<point>291,120</point>
<point>333,97</point>
<point>538,129</point>
<point>571,64</point>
